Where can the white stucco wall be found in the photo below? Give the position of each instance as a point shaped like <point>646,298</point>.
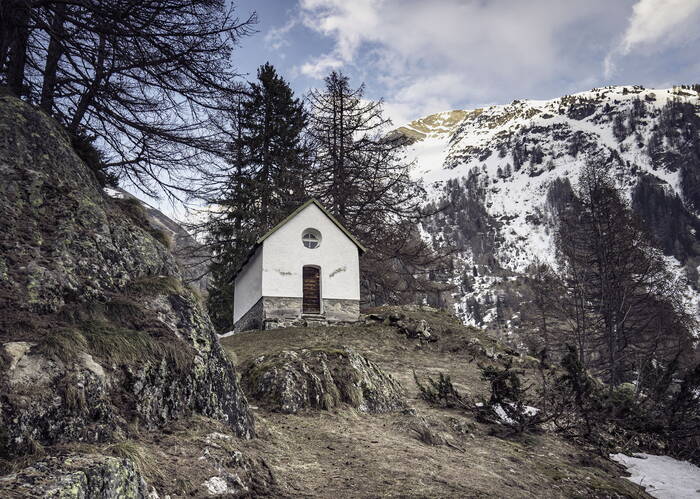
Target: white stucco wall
<point>284,256</point>
<point>248,285</point>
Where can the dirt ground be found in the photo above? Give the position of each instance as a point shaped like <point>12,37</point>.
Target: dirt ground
<point>345,453</point>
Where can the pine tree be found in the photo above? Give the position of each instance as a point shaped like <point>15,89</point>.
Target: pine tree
<point>264,181</point>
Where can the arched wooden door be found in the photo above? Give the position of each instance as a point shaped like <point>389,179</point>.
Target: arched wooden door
<point>311,302</point>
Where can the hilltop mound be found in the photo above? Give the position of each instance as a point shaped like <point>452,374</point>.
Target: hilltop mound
<point>98,335</point>
<point>421,450</point>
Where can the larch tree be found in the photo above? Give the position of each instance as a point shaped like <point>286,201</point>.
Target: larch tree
<point>360,173</point>
<point>624,306</point>
<point>146,77</point>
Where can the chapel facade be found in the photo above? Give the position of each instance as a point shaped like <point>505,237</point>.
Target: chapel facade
<point>306,268</point>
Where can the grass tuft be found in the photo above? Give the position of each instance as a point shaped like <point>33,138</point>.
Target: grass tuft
<point>75,398</point>
<point>10,463</point>
<point>123,306</point>
<point>134,209</point>
<point>162,237</point>
<point>121,345</point>
<point>141,457</point>
<point>64,344</point>
<point>116,345</point>
<point>157,285</point>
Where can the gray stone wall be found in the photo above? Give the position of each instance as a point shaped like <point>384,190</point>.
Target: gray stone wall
<point>271,312</point>
<point>252,319</point>
<point>281,308</point>
<point>281,311</point>
<point>341,310</point>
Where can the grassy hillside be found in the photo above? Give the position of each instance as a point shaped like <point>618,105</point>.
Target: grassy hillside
<point>345,452</point>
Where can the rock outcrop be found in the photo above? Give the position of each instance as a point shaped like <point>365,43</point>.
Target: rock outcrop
<point>90,475</point>
<point>291,381</point>
<point>191,256</point>
<point>97,330</point>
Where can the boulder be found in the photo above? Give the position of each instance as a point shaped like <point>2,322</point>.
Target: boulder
<point>412,327</point>
<point>416,329</point>
<point>294,380</point>
<point>97,330</point>
<point>81,476</point>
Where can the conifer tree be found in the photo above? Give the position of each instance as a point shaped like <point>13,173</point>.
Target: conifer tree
<point>361,175</point>
<point>263,184</point>
<point>624,307</point>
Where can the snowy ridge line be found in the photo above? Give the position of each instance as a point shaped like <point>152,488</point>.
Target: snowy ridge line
<point>485,143</point>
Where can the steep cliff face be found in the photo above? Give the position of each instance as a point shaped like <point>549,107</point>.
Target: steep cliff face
<point>503,171</point>
<point>98,334</point>
<point>190,256</point>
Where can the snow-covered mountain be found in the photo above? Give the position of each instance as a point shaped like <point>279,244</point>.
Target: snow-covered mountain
<point>503,170</point>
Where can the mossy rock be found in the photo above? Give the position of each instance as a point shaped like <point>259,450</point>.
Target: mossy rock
<point>116,338</point>
<point>77,476</point>
<point>322,378</point>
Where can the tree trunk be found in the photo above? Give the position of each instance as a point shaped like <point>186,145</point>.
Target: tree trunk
<point>53,56</point>
<point>16,29</point>
<point>87,98</point>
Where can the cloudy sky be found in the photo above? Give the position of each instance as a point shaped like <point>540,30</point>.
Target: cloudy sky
<point>425,56</point>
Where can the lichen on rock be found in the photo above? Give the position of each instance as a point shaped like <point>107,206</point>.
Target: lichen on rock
<point>77,476</point>
<point>293,380</point>
<point>97,330</point>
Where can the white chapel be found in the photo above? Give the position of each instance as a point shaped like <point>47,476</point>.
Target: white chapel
<point>306,267</point>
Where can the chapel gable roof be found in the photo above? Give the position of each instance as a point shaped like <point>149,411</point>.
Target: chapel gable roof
<point>325,212</point>
<point>311,201</point>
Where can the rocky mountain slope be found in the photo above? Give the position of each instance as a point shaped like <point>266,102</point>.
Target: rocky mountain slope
<point>100,340</point>
<point>502,172</point>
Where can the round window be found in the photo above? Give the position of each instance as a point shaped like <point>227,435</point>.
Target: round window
<point>311,238</point>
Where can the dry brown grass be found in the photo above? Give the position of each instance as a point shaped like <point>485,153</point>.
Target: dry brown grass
<point>145,461</point>
<point>434,452</point>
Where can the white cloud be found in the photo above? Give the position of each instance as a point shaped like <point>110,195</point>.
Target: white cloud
<point>349,22</point>
<point>656,21</point>
<point>425,95</point>
<point>449,52</point>
<point>276,38</point>
<point>431,56</point>
<point>656,25</point>
<point>320,67</point>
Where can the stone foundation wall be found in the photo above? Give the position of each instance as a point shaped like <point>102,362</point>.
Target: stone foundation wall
<point>271,312</point>
<point>252,319</point>
<point>341,310</point>
<point>281,308</point>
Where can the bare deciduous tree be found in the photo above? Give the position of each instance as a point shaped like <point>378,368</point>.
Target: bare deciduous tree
<point>622,307</point>
<point>145,76</point>
<point>361,174</point>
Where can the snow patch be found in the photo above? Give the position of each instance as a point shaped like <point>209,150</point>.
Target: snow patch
<point>113,193</point>
<point>662,476</point>
<point>501,413</point>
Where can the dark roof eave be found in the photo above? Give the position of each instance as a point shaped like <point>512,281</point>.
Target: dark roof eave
<point>250,255</point>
